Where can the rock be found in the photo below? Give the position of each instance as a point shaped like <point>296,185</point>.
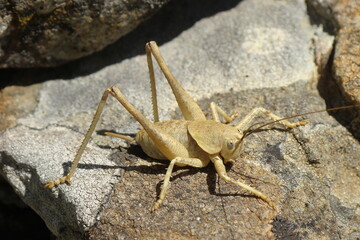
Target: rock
<point>346,60</point>
<point>346,68</point>
<point>248,55</point>
<point>344,17</point>
<point>49,33</point>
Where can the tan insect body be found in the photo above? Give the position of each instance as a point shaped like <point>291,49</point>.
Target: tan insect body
<point>194,141</point>
<point>177,129</point>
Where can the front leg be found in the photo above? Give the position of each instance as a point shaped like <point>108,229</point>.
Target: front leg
<point>245,122</point>
<point>221,170</point>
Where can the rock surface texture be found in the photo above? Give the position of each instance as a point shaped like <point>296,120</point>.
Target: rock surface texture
<point>38,33</point>
<point>344,16</point>
<point>241,55</point>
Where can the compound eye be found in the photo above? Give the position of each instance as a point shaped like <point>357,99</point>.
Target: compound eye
<point>230,145</point>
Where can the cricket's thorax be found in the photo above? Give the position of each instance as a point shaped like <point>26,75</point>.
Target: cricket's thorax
<point>177,129</point>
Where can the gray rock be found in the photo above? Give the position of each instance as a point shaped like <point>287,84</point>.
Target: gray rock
<point>49,33</point>
<point>254,54</point>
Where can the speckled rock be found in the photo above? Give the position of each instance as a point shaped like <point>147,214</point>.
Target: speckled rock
<point>346,66</point>
<point>344,16</point>
<point>37,33</point>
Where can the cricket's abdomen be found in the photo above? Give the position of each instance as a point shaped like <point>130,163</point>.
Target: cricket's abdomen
<point>177,129</point>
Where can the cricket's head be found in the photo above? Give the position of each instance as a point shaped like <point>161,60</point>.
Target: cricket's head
<point>217,138</point>
<point>232,148</point>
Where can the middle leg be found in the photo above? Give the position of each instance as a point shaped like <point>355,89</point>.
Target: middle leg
<point>193,162</point>
<point>216,110</point>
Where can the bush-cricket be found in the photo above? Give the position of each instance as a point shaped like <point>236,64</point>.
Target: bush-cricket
<point>194,141</point>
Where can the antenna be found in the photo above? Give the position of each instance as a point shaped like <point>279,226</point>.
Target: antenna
<point>262,124</point>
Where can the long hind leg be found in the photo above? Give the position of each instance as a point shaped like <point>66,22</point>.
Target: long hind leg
<point>67,178</point>
<point>189,108</point>
<point>152,83</point>
<point>167,144</point>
